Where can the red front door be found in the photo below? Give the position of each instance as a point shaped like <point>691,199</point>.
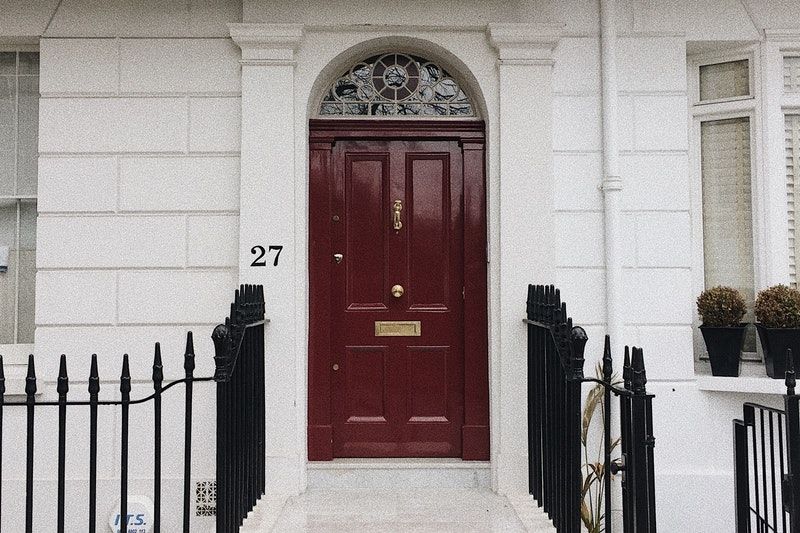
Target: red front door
<point>398,389</point>
<point>397,263</point>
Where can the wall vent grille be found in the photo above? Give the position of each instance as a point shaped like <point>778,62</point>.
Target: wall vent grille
<point>205,497</point>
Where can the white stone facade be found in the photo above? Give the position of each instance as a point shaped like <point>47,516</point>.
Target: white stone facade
<point>173,137</point>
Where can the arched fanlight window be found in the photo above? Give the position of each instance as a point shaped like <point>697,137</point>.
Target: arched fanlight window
<point>396,85</point>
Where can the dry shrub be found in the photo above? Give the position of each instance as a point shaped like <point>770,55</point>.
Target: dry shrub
<point>721,307</point>
<point>778,307</point>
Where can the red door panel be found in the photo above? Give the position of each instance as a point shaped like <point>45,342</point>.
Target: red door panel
<point>397,396</point>
<point>428,199</point>
<point>426,390</point>
<point>366,184</point>
<point>365,371</point>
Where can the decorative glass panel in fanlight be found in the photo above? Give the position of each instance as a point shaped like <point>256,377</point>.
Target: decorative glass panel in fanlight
<point>396,85</point>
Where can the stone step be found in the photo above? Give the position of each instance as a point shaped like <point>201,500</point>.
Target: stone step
<point>399,474</point>
<point>420,509</point>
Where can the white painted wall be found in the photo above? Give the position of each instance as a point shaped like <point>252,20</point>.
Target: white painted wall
<point>138,222</point>
<point>139,199</point>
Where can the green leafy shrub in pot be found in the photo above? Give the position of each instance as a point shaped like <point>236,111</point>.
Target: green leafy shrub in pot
<point>778,313</point>
<point>721,307</point>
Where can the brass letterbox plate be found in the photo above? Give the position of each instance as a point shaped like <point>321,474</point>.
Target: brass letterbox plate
<point>398,328</point>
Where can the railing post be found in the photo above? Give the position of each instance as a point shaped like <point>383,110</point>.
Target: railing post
<point>125,390</point>
<point>640,467</point>
<point>94,390</point>
<point>531,411</point>
<point>188,366</point>
<point>791,481</point>
<point>222,340</point>
<point>62,388</point>
<point>608,372</point>
<point>741,477</point>
<point>625,442</point>
<point>30,391</point>
<point>577,346</point>
<point>261,396</point>
<point>158,379</point>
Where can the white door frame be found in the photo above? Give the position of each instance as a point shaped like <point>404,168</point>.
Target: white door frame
<point>507,69</point>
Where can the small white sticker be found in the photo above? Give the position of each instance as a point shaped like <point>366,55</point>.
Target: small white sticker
<point>140,516</point>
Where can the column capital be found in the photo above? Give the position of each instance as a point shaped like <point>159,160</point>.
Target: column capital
<point>267,44</point>
<point>524,43</point>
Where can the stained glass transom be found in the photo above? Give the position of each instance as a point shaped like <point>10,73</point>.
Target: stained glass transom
<point>396,84</point>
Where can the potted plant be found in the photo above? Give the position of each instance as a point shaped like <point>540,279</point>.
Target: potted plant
<point>721,310</point>
<point>778,315</point>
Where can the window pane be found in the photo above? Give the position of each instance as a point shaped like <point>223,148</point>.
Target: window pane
<point>8,224</point>
<point>725,80</point>
<point>27,225</point>
<point>27,142</point>
<point>7,133</point>
<point>28,63</point>
<point>8,63</point>
<point>7,292</point>
<point>727,209</point>
<point>19,123</point>
<point>27,290</point>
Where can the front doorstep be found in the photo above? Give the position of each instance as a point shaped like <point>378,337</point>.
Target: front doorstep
<point>399,473</point>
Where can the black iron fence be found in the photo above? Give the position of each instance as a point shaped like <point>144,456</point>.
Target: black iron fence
<point>239,358</point>
<point>558,474</point>
<point>239,346</point>
<point>766,444</point>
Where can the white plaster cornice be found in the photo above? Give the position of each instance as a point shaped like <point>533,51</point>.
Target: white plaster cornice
<point>787,34</point>
<point>266,43</point>
<point>524,43</point>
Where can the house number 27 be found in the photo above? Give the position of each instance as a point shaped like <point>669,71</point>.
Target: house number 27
<point>261,253</point>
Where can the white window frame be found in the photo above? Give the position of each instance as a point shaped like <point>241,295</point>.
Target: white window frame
<point>722,109</point>
<point>15,353</point>
<point>789,105</point>
<point>714,59</point>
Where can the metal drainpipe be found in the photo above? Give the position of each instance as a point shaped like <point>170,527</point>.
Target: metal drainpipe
<point>612,182</point>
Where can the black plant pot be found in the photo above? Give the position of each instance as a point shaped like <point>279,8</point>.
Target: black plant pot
<point>724,345</point>
<point>774,343</point>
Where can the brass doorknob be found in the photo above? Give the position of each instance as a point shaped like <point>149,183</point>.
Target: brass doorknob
<point>397,291</point>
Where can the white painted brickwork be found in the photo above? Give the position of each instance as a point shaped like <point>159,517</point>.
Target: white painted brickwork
<point>656,224</point>
<point>139,179</point>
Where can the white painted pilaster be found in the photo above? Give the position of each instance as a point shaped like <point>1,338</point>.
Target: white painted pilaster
<point>267,218</point>
<point>525,63</point>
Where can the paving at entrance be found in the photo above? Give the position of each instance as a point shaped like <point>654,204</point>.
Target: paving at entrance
<point>416,510</point>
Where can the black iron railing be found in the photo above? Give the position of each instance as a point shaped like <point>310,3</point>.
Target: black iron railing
<point>93,404</point>
<point>239,345</point>
<point>766,444</point>
<point>555,463</point>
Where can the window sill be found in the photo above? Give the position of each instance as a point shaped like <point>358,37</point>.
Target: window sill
<point>752,379</point>
<point>743,384</point>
